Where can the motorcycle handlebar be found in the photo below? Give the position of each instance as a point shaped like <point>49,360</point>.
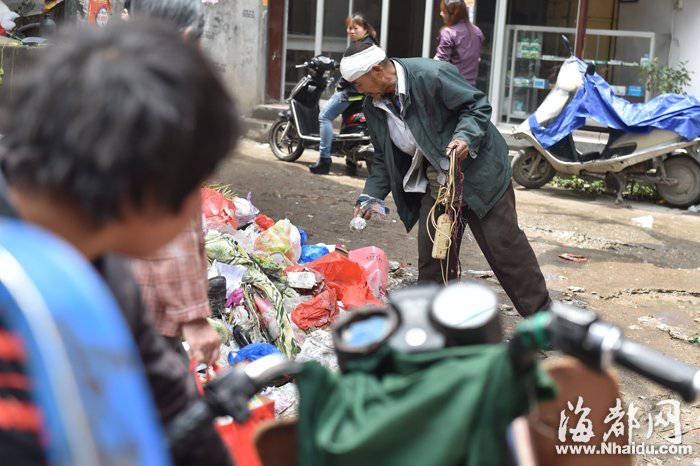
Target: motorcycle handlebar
<point>656,366</point>
<point>599,344</point>
<point>303,65</point>
<point>573,331</point>
<point>179,430</point>
<point>228,395</point>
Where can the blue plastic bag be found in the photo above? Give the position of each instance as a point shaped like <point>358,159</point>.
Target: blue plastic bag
<point>304,236</point>
<point>312,252</point>
<point>251,353</point>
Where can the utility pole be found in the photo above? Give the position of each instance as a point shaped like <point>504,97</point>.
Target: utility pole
<point>581,23</point>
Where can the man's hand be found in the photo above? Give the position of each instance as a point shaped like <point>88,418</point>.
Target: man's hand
<point>204,341</point>
<point>460,149</point>
<point>366,215</point>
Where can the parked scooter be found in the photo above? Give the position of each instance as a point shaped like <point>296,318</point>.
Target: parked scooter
<point>35,25</point>
<point>298,128</point>
<point>654,143</point>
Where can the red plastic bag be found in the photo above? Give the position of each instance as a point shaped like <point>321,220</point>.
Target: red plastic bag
<point>240,438</point>
<point>318,312</point>
<point>347,278</point>
<point>217,209</point>
<point>373,260</point>
<point>264,222</point>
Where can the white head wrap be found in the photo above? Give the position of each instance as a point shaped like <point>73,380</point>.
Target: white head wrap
<point>354,66</point>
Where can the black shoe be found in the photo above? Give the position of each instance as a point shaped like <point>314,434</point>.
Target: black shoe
<point>217,295</point>
<point>322,167</point>
<point>350,168</point>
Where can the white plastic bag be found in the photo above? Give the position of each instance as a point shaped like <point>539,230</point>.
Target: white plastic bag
<point>7,17</point>
<point>281,238</point>
<point>232,273</point>
<point>245,210</point>
<point>246,238</point>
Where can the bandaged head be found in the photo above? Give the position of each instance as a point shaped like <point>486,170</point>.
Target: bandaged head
<point>354,66</point>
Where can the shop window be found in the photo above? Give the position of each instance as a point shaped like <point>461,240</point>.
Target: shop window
<point>372,10</point>
<point>483,17</point>
<point>301,27</point>
<point>406,28</point>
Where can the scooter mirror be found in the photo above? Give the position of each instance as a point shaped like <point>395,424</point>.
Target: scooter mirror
<point>366,332</point>
<point>467,313</point>
<point>362,333</point>
<point>567,44</point>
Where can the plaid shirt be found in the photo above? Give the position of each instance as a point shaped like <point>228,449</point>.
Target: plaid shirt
<point>174,282</point>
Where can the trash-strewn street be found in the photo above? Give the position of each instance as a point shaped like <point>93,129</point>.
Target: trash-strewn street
<point>647,280</point>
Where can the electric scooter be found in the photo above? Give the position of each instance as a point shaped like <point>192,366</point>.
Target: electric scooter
<point>429,318</point>
<point>298,127</point>
<point>654,143</point>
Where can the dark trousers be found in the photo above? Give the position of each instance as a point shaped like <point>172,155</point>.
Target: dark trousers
<point>175,344</point>
<point>505,247</point>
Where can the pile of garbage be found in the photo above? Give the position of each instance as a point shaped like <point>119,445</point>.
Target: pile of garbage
<point>277,291</point>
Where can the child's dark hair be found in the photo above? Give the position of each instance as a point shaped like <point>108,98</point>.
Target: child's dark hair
<point>360,19</point>
<point>132,115</point>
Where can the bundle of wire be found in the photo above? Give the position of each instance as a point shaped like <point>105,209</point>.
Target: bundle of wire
<point>448,224</point>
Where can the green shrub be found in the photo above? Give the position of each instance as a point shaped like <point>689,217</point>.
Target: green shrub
<point>662,79</point>
<point>635,191</point>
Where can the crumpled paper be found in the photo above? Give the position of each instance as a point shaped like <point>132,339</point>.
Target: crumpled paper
<point>286,400</point>
<point>318,347</point>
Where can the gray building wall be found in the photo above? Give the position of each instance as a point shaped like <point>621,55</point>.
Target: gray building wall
<point>644,15</point>
<point>684,41</point>
<point>235,39</point>
<point>647,15</point>
<point>676,24</point>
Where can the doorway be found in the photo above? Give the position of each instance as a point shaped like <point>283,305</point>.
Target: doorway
<point>314,27</point>
<point>406,29</point>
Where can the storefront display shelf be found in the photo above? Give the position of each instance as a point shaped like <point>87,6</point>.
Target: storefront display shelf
<point>533,53</point>
<point>595,62</point>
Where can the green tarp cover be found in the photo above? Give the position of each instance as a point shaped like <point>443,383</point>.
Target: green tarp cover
<point>450,407</point>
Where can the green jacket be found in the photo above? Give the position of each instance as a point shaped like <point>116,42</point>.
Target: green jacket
<point>441,106</point>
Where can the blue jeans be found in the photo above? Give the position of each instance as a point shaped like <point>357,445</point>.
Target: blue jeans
<point>336,105</point>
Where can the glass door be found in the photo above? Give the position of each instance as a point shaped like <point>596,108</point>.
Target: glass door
<point>301,31</point>
<point>372,10</point>
<point>334,38</point>
<point>335,15</point>
<point>406,28</point>
<point>309,34</point>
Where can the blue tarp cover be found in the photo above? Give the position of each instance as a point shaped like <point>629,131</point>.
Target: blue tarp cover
<point>596,100</point>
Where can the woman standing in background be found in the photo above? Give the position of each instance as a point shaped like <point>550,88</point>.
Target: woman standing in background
<point>358,30</point>
<point>460,41</point>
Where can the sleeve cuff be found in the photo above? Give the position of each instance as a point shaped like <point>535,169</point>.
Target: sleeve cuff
<point>183,316</point>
